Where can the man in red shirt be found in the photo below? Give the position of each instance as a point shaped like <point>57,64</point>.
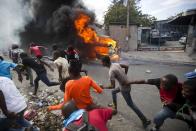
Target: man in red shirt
<point>170,95</point>
<point>72,54</point>
<point>97,117</point>
<point>35,50</point>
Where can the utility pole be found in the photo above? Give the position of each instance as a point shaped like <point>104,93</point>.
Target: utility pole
<point>128,26</point>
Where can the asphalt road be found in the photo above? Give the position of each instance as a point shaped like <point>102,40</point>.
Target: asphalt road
<point>146,97</point>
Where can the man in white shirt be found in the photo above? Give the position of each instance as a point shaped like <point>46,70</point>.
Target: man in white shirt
<point>62,65</point>
<point>12,105</point>
<point>116,72</point>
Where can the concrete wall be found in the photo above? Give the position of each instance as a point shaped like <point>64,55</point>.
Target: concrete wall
<point>119,33</point>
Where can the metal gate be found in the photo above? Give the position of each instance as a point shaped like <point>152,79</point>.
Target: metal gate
<point>162,37</point>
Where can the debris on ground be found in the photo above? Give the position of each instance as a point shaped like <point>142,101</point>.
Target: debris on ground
<point>38,115</point>
<point>148,71</point>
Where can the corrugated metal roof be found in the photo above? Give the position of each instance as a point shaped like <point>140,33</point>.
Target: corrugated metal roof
<point>184,18</point>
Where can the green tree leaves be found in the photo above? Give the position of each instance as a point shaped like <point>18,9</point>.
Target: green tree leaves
<point>117,13</point>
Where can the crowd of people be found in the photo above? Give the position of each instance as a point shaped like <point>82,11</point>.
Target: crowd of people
<point>79,110</point>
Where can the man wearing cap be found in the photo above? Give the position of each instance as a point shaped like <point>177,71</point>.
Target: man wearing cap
<point>191,75</point>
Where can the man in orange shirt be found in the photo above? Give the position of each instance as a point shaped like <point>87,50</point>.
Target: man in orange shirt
<point>78,89</point>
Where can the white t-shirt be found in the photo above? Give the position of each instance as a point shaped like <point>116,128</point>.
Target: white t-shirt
<point>64,63</point>
<point>15,102</point>
<point>117,73</point>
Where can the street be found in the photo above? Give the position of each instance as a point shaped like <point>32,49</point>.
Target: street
<point>146,97</point>
<point>52,42</point>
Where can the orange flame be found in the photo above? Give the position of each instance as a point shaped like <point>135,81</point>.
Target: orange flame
<point>90,36</point>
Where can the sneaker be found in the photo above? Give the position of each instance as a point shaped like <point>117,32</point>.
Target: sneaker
<point>146,123</point>
<point>154,129</point>
<point>32,95</point>
<point>112,105</point>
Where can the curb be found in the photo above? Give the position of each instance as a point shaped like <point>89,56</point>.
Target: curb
<point>155,61</point>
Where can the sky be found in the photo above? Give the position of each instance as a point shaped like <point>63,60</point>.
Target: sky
<point>161,9</point>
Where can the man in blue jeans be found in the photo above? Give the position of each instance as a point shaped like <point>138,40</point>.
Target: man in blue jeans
<point>171,97</point>
<point>116,72</point>
<point>12,107</point>
<point>38,66</point>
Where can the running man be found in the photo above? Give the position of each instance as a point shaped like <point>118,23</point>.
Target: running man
<point>116,73</point>
<point>38,66</point>
<point>5,69</point>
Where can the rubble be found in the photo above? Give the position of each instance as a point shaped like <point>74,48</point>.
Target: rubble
<point>47,121</point>
<point>37,112</point>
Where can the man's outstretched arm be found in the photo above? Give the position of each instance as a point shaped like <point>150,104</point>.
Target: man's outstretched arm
<point>155,82</point>
<point>111,86</point>
<point>137,82</point>
<point>42,47</point>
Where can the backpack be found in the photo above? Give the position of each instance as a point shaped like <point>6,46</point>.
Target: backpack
<point>84,126</point>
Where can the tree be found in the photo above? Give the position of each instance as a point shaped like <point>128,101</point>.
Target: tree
<point>117,13</point>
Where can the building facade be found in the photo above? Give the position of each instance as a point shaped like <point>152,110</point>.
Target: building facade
<point>119,32</point>
<point>188,18</point>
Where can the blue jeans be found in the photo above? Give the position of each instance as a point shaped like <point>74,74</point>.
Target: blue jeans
<point>162,115</point>
<point>127,97</point>
<point>5,123</point>
<point>43,77</point>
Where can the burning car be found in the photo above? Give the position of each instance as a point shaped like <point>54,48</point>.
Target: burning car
<point>100,45</point>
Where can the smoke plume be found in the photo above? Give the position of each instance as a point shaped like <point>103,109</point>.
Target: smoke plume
<point>54,22</point>
<point>14,16</point>
<point>43,22</point>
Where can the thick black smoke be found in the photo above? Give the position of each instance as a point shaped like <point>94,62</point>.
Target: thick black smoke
<point>53,22</point>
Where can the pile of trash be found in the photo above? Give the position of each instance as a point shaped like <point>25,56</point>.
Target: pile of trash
<point>43,120</point>
<point>38,115</point>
